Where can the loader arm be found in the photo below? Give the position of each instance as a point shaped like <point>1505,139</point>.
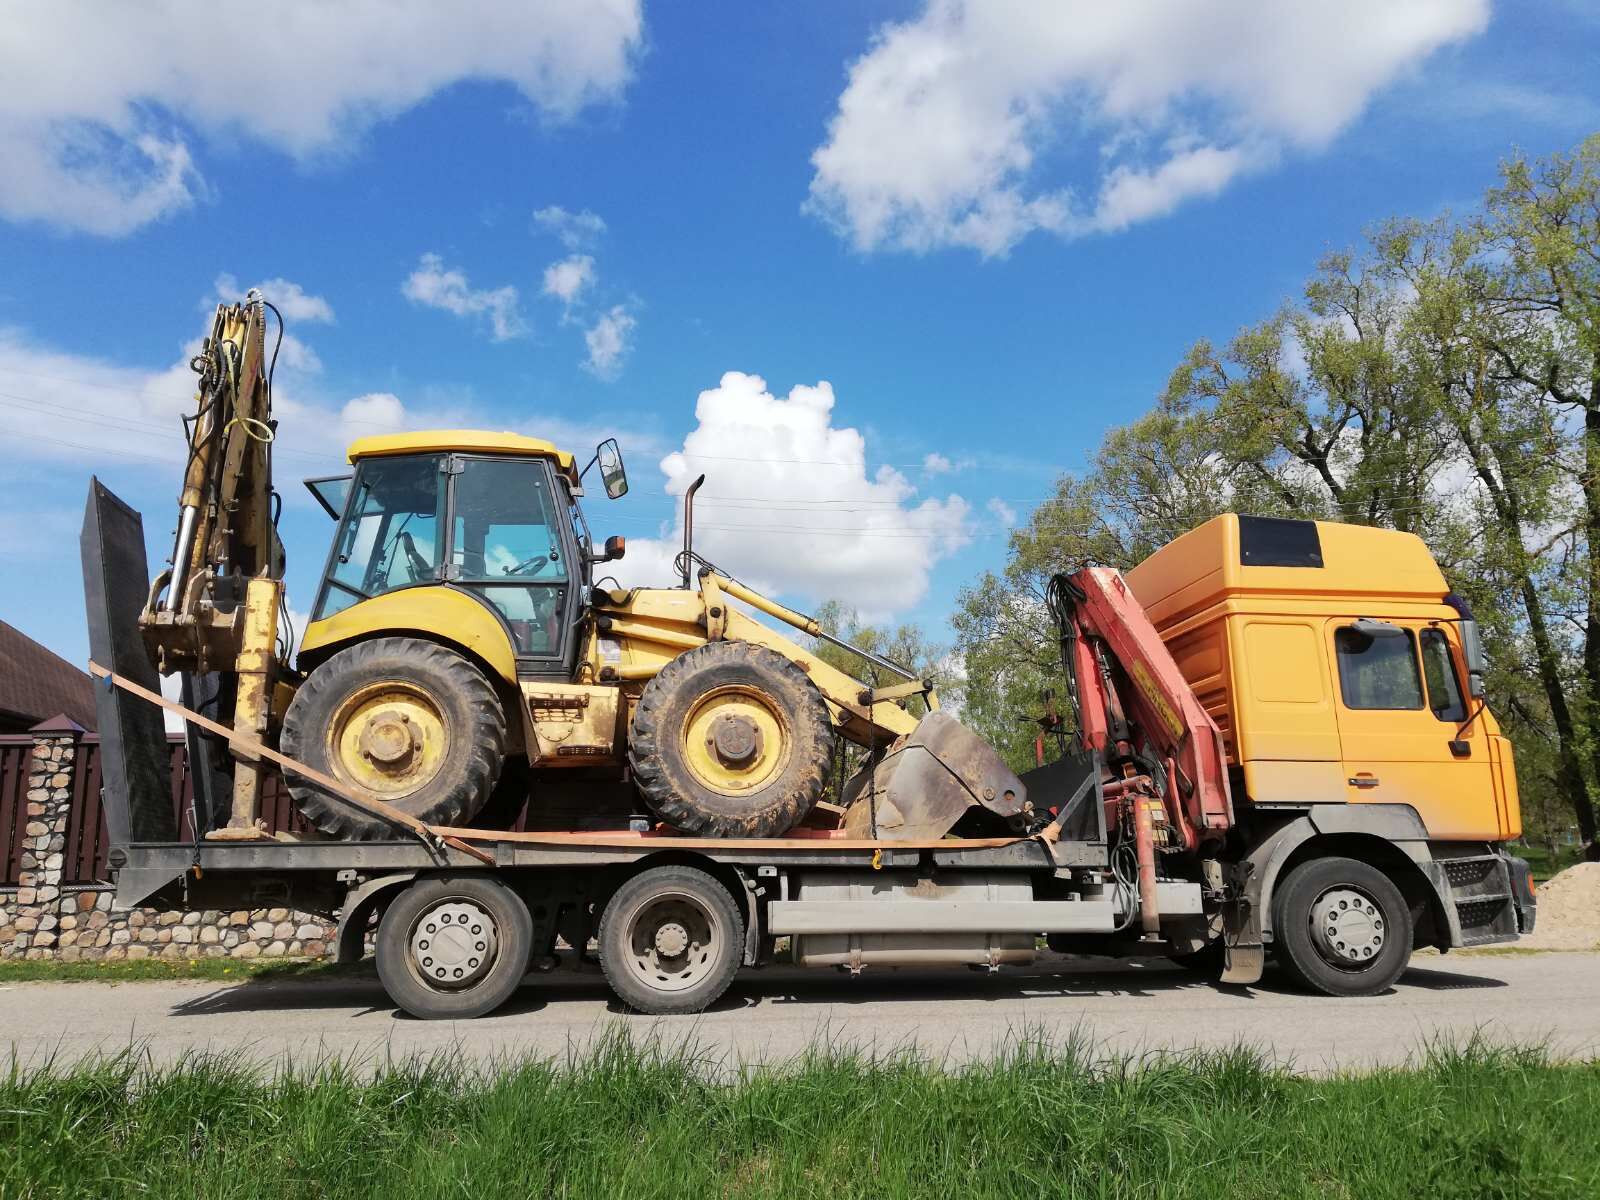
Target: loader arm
<point>1133,704</point>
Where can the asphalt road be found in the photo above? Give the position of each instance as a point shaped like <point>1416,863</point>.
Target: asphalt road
<point>774,1013</point>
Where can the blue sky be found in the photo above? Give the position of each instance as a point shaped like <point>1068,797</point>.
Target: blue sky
<point>991,233</point>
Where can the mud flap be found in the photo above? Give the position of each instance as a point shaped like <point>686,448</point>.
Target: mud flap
<point>929,780</point>
<point>1244,957</point>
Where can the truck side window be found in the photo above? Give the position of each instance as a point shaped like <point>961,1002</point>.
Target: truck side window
<point>1444,689</point>
<point>1378,672</point>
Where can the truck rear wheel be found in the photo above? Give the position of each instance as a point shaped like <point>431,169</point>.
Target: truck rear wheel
<point>1341,927</point>
<point>401,720</point>
<point>732,740</point>
<point>671,941</point>
<point>454,946</point>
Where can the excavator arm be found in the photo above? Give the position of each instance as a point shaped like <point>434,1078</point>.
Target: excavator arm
<point>214,611</point>
<point>1134,706</point>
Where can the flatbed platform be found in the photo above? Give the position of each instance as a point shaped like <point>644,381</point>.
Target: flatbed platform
<point>145,868</point>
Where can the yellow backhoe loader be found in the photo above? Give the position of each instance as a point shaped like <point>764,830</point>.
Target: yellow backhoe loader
<point>463,662</point>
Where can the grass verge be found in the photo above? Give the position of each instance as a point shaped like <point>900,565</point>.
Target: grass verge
<point>224,969</point>
<point>624,1119</point>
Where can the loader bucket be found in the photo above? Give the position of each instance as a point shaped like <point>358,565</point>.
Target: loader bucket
<point>929,780</point>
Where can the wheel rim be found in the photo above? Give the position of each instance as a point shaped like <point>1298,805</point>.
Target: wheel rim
<point>389,738</point>
<point>674,941</point>
<point>736,739</point>
<point>454,944</point>
<point>1348,928</point>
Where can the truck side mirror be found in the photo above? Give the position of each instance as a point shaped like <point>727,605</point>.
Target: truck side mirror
<point>1477,661</point>
<point>616,547</point>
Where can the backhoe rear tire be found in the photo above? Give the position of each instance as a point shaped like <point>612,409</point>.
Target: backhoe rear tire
<point>401,720</point>
<point>731,740</point>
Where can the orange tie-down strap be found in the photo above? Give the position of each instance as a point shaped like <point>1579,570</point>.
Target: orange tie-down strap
<point>457,838</point>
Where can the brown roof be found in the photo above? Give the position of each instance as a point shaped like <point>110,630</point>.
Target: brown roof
<point>36,684</point>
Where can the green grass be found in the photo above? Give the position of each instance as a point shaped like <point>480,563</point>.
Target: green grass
<point>225,969</point>
<point>620,1119</point>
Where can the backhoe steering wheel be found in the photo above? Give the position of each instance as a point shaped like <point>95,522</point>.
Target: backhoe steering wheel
<point>529,566</point>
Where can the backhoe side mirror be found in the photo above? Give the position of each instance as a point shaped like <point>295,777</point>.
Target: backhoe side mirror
<point>612,473</point>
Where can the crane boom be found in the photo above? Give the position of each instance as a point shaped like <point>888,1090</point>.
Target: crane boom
<point>1134,706</point>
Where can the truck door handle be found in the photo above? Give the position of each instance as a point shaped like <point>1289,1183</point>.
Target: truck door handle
<point>1363,781</point>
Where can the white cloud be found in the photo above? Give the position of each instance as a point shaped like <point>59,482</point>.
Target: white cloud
<point>570,278</point>
<point>103,104</point>
<point>789,504</point>
<point>937,464</point>
<point>575,229</point>
<point>58,406</point>
<point>1002,512</point>
<point>434,285</point>
<point>608,342</point>
<point>292,300</point>
<point>953,123</point>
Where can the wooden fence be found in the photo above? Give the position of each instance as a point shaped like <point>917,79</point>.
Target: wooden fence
<point>86,841</point>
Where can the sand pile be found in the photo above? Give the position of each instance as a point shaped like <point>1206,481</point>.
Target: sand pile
<point>1569,911</point>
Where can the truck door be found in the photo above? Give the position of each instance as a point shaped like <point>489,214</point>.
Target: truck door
<point>1400,705</point>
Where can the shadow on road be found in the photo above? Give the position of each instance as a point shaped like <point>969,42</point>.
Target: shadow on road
<point>1447,981</point>
<point>1085,979</point>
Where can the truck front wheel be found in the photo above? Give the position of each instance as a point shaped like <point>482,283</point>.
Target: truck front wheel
<point>452,947</point>
<point>1341,927</point>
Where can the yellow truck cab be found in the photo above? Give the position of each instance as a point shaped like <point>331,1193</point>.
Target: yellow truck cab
<point>1346,680</point>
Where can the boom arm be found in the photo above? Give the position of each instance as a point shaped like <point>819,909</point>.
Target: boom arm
<point>215,610</point>
<point>1133,703</point>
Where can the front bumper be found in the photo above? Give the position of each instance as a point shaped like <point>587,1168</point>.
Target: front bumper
<point>1523,894</point>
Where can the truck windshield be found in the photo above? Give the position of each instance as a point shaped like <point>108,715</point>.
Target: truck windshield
<point>1444,689</point>
<point>389,537</point>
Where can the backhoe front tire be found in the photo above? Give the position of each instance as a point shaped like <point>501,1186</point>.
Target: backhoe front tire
<point>731,739</point>
<point>401,720</point>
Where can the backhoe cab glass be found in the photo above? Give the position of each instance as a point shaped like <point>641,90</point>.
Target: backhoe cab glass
<point>505,544</point>
<point>612,472</point>
<point>331,491</point>
<point>389,537</point>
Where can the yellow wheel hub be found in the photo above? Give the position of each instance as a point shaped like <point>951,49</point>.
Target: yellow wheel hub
<point>388,738</point>
<point>736,739</point>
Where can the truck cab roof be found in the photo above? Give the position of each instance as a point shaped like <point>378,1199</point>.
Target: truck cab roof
<point>1234,556</point>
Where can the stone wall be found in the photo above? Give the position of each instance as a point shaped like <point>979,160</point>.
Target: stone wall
<point>42,918</point>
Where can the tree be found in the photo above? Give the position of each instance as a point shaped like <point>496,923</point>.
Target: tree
<point>1444,380</point>
<point>1542,224</point>
<point>905,645</point>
